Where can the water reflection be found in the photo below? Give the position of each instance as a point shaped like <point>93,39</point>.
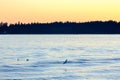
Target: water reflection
<point>84,57</point>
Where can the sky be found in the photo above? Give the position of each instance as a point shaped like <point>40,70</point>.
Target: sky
<point>27,11</point>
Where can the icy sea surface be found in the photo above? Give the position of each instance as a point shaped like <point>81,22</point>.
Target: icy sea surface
<point>41,57</point>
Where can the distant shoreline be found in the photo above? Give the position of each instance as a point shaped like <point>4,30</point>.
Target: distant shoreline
<point>93,27</point>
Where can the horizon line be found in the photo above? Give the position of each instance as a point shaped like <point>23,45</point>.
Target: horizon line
<point>20,22</point>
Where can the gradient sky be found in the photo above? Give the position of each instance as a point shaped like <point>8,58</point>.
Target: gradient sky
<point>58,10</point>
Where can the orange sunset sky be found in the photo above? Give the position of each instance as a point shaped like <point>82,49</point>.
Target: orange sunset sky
<point>26,11</point>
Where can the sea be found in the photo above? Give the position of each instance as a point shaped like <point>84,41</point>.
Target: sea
<point>60,57</point>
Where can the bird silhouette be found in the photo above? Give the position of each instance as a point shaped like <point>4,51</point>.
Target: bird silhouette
<point>27,59</point>
<point>65,61</point>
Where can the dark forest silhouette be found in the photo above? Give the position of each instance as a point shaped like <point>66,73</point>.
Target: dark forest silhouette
<point>93,27</point>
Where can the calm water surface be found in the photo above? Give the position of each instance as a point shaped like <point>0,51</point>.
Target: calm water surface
<point>41,57</point>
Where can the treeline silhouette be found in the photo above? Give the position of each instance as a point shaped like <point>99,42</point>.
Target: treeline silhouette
<point>93,27</point>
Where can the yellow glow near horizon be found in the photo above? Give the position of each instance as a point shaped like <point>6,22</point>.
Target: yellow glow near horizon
<point>58,10</point>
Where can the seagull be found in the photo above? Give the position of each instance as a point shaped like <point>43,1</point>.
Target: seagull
<point>65,61</point>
